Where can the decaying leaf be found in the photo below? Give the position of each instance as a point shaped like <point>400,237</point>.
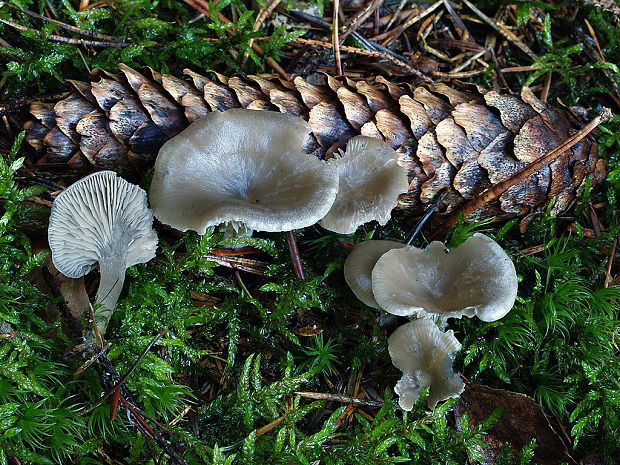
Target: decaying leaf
<point>72,290</point>
<point>463,140</point>
<point>522,420</point>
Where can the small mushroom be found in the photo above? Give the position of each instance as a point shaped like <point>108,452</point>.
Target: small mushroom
<point>101,218</point>
<point>244,166</point>
<point>476,278</point>
<point>359,264</point>
<point>424,354</point>
<point>370,182</point>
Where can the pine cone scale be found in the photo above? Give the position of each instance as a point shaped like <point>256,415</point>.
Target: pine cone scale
<point>463,140</point>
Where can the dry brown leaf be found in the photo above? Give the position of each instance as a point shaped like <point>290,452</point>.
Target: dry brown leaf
<point>522,421</point>
<point>72,290</point>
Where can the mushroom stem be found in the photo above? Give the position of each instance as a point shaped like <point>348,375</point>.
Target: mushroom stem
<point>112,272</point>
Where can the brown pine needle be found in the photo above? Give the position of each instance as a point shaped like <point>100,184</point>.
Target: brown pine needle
<point>358,19</point>
<point>94,358</point>
<point>268,427</point>
<point>610,263</point>
<point>544,94</point>
<point>294,252</point>
<point>335,40</point>
<point>503,30</point>
<point>341,398</point>
<point>393,35</point>
<point>359,51</point>
<point>93,322</point>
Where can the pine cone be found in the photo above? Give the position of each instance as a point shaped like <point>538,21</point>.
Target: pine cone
<point>463,140</point>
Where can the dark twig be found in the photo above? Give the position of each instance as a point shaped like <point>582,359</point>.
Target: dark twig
<point>68,27</point>
<point>93,359</point>
<point>67,40</point>
<point>148,432</point>
<point>123,378</point>
<point>292,248</point>
<point>341,398</point>
<point>425,216</point>
<point>24,176</point>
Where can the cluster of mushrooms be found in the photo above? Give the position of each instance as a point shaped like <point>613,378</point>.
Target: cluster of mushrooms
<point>244,169</point>
<point>247,170</point>
<point>433,284</point>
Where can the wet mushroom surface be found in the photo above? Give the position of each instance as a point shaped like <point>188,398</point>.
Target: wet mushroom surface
<point>242,166</point>
<point>475,278</point>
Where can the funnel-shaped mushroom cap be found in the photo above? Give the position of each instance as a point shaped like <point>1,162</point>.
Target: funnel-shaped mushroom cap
<point>369,186</point>
<point>242,165</point>
<point>359,264</point>
<point>476,278</point>
<point>101,218</point>
<point>424,354</point>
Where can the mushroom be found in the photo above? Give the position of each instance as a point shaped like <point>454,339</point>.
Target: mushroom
<point>101,218</point>
<point>424,354</point>
<point>476,278</point>
<point>370,182</point>
<point>359,264</point>
<point>242,166</point>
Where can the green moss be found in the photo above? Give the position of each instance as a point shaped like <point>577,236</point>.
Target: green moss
<point>227,371</point>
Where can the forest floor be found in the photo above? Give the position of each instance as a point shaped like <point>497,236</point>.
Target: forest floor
<point>213,356</point>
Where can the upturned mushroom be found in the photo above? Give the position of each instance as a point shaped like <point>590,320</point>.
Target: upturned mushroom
<point>370,181</point>
<point>101,219</point>
<point>424,354</point>
<point>242,166</point>
<point>359,264</point>
<point>476,278</point>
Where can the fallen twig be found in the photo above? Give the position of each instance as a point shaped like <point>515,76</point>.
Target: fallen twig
<point>123,378</point>
<point>341,398</point>
<point>68,27</point>
<point>498,189</point>
<point>67,40</point>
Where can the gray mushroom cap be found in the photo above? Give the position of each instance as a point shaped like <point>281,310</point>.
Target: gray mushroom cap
<point>424,354</point>
<point>242,165</point>
<point>370,181</point>
<point>359,264</point>
<point>476,278</point>
<point>101,219</point>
